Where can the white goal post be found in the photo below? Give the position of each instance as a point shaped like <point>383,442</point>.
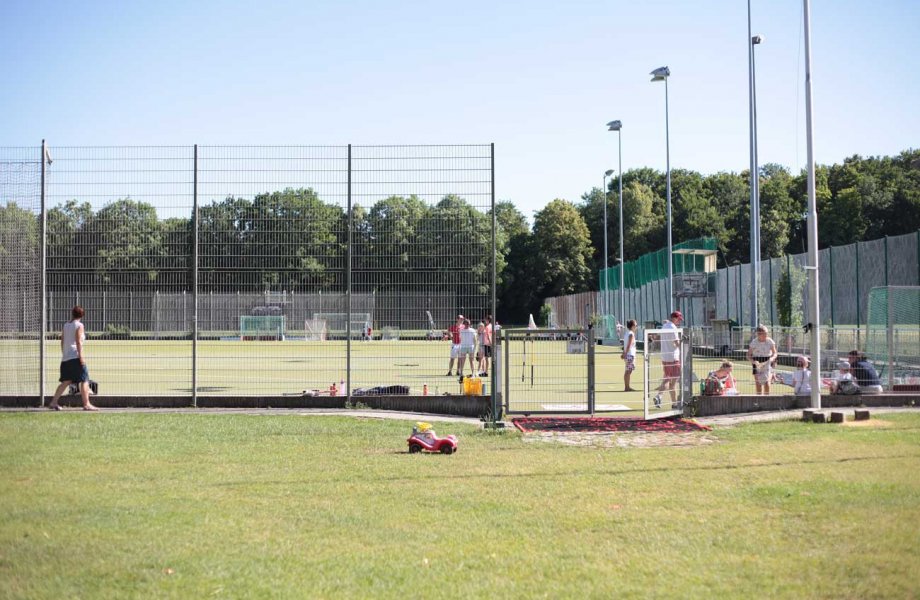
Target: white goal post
<point>338,323</point>
<point>314,330</point>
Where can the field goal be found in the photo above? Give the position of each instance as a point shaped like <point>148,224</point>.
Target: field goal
<point>314,330</point>
<point>262,328</point>
<point>337,324</point>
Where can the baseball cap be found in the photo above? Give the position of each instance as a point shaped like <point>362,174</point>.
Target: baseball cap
<point>459,316</point>
<point>843,364</point>
<point>677,315</point>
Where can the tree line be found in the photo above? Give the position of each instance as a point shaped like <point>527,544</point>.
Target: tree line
<point>292,240</point>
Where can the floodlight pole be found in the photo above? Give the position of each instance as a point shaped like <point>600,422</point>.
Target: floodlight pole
<point>754,176</point>
<point>667,147</point>
<point>606,253</point>
<point>813,297</point>
<point>622,260</point>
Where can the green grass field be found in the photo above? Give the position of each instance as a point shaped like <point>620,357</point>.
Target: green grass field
<point>199,506</point>
<point>547,378</point>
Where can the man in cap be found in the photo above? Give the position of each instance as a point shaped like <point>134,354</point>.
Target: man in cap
<point>670,359</point>
<point>453,334</point>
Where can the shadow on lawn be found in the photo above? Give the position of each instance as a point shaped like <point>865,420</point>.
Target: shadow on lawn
<point>571,473</point>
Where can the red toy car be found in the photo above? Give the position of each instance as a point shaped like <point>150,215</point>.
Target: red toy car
<point>424,438</point>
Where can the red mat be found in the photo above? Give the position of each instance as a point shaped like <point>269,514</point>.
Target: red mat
<point>585,424</point>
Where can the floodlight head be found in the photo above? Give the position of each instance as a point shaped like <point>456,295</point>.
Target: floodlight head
<point>757,39</point>
<point>660,74</point>
<point>608,172</point>
<point>614,125</point>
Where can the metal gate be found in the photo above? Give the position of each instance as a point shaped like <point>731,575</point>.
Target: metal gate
<point>548,370</point>
<point>561,371</point>
<point>665,364</point>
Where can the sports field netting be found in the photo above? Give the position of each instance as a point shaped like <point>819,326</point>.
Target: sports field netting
<point>20,269</point>
<point>176,253</point>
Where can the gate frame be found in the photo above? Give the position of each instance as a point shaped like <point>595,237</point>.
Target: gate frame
<point>684,365</point>
<point>589,360</point>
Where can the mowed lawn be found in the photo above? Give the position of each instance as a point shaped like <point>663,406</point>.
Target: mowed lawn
<point>542,376</point>
<point>167,505</point>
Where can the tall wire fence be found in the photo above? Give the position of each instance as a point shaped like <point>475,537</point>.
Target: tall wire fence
<point>239,270</point>
<point>847,276</point>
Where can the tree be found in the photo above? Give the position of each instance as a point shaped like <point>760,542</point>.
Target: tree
<point>128,243</point>
<point>563,249</point>
<point>516,292</point>
<point>295,241</point>
<point>643,228</point>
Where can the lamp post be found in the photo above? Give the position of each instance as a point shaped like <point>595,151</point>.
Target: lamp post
<point>618,127</point>
<point>754,176</point>
<point>662,74</point>
<point>814,300</point>
<point>607,174</point>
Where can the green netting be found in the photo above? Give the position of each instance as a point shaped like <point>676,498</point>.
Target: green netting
<point>893,332</point>
<point>654,265</point>
<point>262,327</point>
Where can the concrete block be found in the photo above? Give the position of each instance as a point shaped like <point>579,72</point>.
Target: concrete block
<point>837,417</point>
<point>862,415</point>
<point>819,417</point>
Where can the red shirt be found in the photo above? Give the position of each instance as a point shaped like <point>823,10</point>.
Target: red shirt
<point>454,331</point>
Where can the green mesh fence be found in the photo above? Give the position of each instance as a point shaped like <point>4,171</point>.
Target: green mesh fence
<point>893,333</point>
<point>654,265</point>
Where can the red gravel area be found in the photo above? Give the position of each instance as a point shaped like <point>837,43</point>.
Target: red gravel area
<point>607,425</point>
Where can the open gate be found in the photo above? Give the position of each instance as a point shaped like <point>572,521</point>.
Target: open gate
<point>562,371</point>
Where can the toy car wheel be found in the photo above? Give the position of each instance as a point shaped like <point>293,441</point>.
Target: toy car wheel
<point>447,449</point>
<point>415,448</point>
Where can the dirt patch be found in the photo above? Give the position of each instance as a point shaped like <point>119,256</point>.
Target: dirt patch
<point>630,439</point>
<point>871,423</point>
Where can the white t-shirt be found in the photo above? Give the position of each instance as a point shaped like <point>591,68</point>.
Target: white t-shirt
<point>70,339</point>
<point>762,349</point>
<point>801,382</point>
<point>630,349</point>
<point>670,348</point>
<point>467,338</point>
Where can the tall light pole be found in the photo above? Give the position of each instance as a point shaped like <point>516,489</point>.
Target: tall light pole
<point>662,74</point>
<point>814,314</point>
<point>754,176</point>
<point>618,127</point>
<point>607,174</point>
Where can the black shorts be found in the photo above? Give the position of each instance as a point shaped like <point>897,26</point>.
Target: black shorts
<point>487,351</point>
<point>73,371</point>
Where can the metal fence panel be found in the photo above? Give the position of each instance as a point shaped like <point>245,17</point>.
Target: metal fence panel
<point>20,270</point>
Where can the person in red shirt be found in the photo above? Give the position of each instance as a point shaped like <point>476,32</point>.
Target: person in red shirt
<point>453,334</point>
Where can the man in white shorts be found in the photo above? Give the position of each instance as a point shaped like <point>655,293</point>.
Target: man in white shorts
<point>467,348</point>
<point>453,334</point>
<point>670,359</point>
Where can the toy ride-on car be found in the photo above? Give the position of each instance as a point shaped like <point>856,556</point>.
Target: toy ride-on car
<point>424,438</point>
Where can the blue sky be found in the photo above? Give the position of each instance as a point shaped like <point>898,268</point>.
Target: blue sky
<point>540,79</point>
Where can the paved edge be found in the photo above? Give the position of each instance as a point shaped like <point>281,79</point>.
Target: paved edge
<point>790,415</point>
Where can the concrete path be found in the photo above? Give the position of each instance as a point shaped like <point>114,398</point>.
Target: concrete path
<point>304,412</point>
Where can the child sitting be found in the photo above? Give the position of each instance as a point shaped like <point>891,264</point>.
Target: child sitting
<point>801,379</point>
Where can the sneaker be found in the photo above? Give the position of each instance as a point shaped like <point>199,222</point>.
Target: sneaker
<point>449,374</point>
<point>658,401</point>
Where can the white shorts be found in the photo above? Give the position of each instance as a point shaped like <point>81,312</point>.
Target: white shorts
<point>455,350</point>
<point>464,350</point>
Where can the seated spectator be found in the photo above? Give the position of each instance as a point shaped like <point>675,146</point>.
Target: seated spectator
<point>842,374</point>
<point>721,382</point>
<point>864,373</point>
<point>801,379</point>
